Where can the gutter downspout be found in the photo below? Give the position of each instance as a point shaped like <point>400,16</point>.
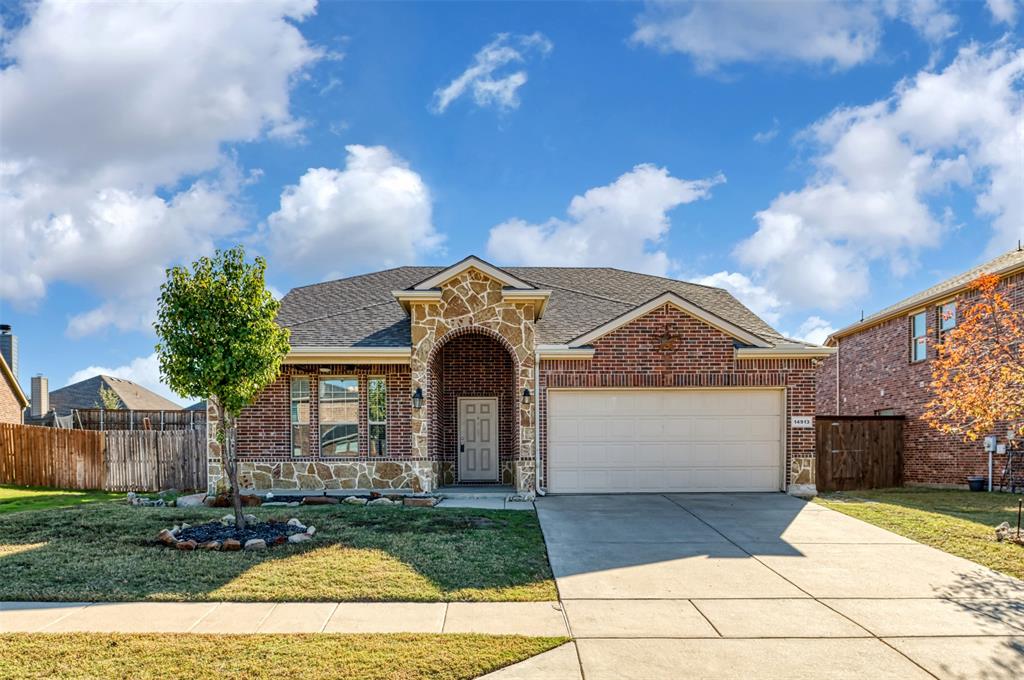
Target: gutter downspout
<point>536,423</point>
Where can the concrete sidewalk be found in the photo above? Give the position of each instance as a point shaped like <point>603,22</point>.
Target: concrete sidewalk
<point>497,618</point>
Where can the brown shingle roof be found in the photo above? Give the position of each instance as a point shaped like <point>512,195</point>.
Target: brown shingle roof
<point>86,394</point>
<point>361,310</point>
<point>1005,262</point>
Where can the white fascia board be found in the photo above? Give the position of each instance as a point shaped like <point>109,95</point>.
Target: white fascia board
<point>473,262</point>
<point>409,297</point>
<point>349,355</point>
<point>564,352</point>
<point>680,303</point>
<point>784,352</point>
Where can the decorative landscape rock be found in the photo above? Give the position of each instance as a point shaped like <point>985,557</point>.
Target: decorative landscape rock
<point>355,500</point>
<point>135,500</point>
<point>1005,532</point>
<point>214,536</point>
<point>381,501</point>
<point>320,500</point>
<point>193,501</point>
<point>420,501</point>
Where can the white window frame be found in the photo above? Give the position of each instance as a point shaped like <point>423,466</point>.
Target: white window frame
<point>370,422</point>
<point>915,338</point>
<point>941,313</point>
<point>320,422</point>
<point>292,400</point>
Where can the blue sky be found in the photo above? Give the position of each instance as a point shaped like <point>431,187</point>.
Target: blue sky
<point>815,158</point>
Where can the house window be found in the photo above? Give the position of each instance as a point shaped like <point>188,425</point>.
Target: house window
<point>947,317</point>
<point>886,412</point>
<point>919,336</point>
<point>339,416</point>
<point>300,416</point>
<point>377,415</point>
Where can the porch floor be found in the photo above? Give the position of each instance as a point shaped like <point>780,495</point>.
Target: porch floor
<point>480,491</point>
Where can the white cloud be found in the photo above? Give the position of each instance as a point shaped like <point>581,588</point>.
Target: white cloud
<point>839,34</point>
<point>375,212</point>
<point>1003,11</point>
<point>814,330</point>
<point>621,224</point>
<point>758,299</point>
<point>142,370</point>
<point>880,168</point>
<point>768,135</point>
<point>108,110</point>
<point>487,79</point>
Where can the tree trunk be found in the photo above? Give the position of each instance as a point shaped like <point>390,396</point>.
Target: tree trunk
<point>231,464</point>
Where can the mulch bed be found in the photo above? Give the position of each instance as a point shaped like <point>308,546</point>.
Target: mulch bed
<point>272,532</point>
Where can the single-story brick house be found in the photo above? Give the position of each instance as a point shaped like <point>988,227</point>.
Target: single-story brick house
<point>565,380</point>
<point>884,368</point>
<point>12,398</point>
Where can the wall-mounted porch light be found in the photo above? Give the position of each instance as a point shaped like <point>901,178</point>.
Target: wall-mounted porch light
<point>417,398</point>
<point>527,397</point>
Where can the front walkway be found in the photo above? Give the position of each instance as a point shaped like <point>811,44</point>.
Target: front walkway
<point>767,586</point>
<point>496,618</point>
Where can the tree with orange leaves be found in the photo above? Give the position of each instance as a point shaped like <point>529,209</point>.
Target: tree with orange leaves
<point>978,374</point>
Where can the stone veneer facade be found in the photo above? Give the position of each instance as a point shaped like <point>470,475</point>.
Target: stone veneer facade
<point>477,324</point>
<point>876,374</point>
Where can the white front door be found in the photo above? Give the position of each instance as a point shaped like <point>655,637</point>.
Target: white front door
<point>608,441</point>
<point>478,439</point>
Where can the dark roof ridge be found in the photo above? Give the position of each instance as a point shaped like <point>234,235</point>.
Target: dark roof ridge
<point>583,292</point>
<point>669,278</point>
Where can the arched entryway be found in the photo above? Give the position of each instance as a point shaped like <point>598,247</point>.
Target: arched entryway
<point>475,416</point>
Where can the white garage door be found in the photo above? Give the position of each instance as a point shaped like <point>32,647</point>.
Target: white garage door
<point>620,441</point>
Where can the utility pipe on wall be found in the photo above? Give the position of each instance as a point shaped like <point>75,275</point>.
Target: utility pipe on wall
<point>536,424</point>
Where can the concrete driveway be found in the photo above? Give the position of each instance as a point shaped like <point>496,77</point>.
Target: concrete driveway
<point>767,586</point>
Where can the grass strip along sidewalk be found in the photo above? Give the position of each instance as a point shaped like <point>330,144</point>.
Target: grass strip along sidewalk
<point>186,656</point>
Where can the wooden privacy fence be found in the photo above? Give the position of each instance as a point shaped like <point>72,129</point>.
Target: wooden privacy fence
<point>126,419</point>
<point>859,452</point>
<point>115,461</point>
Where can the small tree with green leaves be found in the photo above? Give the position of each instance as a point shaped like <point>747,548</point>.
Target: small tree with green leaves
<point>219,341</point>
<point>109,399</point>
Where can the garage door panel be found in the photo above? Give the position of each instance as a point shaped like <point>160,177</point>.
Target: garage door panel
<point>664,440</point>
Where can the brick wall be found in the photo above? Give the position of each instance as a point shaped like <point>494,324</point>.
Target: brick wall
<point>703,356</point>
<point>264,429</point>
<point>876,373</point>
<point>10,408</point>
<point>473,365</point>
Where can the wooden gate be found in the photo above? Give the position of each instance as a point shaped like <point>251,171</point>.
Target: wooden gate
<point>859,452</point>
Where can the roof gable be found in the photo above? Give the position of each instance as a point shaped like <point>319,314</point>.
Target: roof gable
<point>680,303</point>
<point>473,262</point>
<point>12,380</point>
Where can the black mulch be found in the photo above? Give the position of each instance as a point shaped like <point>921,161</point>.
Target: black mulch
<point>270,532</point>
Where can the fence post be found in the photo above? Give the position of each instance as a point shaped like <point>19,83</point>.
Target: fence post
<point>101,419</point>
<point>131,420</point>
<point>161,420</point>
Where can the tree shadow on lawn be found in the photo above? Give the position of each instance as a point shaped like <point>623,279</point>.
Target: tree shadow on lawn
<point>107,552</point>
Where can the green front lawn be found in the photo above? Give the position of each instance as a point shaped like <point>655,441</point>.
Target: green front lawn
<point>16,498</point>
<point>959,522</point>
<point>354,657</point>
<point>106,551</point>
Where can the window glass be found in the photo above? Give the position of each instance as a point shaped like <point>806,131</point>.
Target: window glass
<point>339,416</point>
<point>377,415</point>
<point>947,316</point>
<point>919,340</point>
<point>300,416</point>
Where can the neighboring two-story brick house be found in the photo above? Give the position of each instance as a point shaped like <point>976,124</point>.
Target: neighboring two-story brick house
<point>884,367</point>
<point>568,380</point>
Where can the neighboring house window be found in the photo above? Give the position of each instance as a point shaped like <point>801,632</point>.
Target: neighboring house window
<point>919,336</point>
<point>377,415</point>
<point>886,412</point>
<point>339,416</point>
<point>300,416</point>
<point>947,317</point>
